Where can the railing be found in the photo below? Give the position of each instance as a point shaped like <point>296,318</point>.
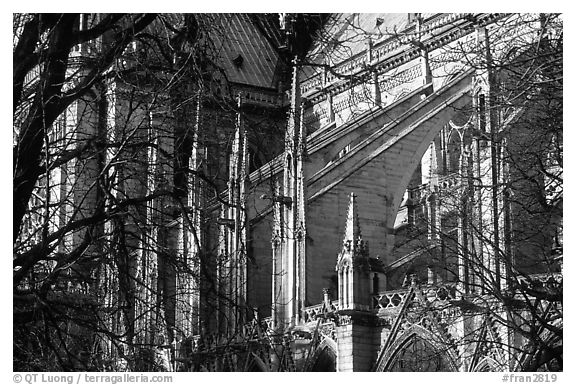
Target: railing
<point>449,181</point>
<point>252,330</point>
<point>379,52</point>
<point>313,83</point>
<point>311,313</point>
<point>439,294</point>
<point>544,280</point>
<point>394,298</point>
<point>262,98</point>
<point>417,193</point>
<point>389,299</point>
<point>444,292</point>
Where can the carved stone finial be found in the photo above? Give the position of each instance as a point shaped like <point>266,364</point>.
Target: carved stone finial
<point>352,231</point>
<point>354,248</point>
<point>326,293</point>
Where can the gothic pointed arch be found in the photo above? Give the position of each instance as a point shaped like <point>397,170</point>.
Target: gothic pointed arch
<point>418,350</point>
<point>487,364</point>
<point>454,150</point>
<point>489,353</point>
<point>324,357</point>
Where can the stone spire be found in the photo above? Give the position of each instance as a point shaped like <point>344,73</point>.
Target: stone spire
<point>353,266</point>
<point>353,243</point>
<point>352,222</point>
<point>289,249</point>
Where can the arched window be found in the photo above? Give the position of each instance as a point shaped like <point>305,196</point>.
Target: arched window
<point>325,362</point>
<point>418,355</point>
<point>453,152</point>
<point>487,365</point>
<point>256,158</point>
<point>482,126</point>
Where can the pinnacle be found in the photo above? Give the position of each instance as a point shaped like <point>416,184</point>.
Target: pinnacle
<point>352,232</point>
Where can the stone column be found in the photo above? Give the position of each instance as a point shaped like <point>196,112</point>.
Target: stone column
<point>358,341</point>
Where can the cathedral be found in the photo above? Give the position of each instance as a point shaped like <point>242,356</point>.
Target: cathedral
<point>313,192</point>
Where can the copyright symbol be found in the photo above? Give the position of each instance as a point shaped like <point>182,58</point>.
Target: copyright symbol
<point>17,378</point>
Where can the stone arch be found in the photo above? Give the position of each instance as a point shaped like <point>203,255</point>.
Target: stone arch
<point>378,169</point>
<point>257,157</point>
<point>487,364</point>
<point>434,127</point>
<point>453,150</point>
<point>417,349</point>
<point>324,357</point>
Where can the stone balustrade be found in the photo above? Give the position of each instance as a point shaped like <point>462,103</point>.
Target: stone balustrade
<point>311,313</point>
<point>380,51</point>
<point>418,193</point>
<point>266,99</point>
<point>389,299</point>
<point>449,181</point>
<point>543,280</point>
<point>441,293</point>
<point>439,296</point>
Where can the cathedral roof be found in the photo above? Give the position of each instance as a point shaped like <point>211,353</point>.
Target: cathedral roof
<point>245,50</point>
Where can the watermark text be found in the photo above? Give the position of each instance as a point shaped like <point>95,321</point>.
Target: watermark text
<point>91,378</point>
<point>533,377</point>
